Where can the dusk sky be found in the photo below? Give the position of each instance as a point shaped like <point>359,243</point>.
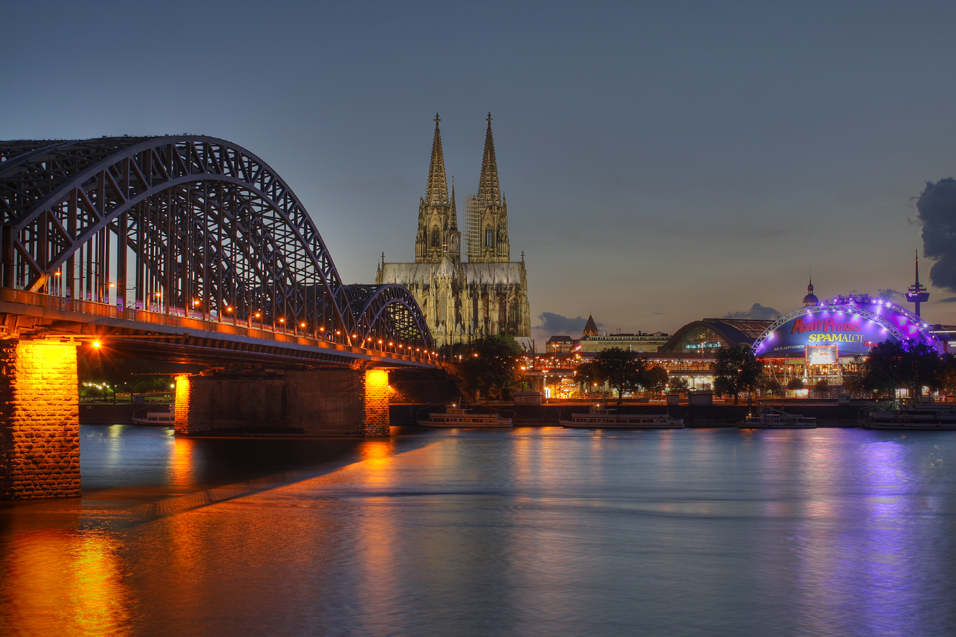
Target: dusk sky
<point>662,161</point>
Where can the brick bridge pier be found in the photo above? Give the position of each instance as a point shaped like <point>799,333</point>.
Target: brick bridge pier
<point>39,411</point>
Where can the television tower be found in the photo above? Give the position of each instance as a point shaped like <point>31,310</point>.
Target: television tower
<point>917,293</point>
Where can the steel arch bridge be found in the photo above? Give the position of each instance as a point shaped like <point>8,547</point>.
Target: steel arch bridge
<point>183,225</point>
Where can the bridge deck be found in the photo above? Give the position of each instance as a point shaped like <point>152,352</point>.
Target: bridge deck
<point>188,336</point>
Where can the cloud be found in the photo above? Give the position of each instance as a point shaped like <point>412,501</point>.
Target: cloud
<point>552,323</point>
<point>936,208</point>
<point>757,311</point>
<point>951,299</point>
<point>892,295</point>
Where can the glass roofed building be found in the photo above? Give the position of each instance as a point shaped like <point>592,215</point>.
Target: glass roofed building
<point>705,336</point>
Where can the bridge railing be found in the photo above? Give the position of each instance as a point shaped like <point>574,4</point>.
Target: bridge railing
<point>176,320</point>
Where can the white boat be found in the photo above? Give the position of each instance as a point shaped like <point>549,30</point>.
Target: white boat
<point>770,418</point>
<point>156,418</point>
<point>604,418</point>
<point>464,418</point>
<point>919,417</point>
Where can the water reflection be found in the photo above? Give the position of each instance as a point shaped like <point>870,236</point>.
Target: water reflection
<point>62,582</point>
<point>528,532</point>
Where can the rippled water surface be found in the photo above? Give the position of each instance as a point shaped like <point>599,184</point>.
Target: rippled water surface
<point>536,531</point>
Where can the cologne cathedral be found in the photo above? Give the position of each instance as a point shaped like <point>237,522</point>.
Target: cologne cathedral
<point>484,296</point>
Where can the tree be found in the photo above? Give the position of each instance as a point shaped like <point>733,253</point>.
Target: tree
<point>822,388</point>
<point>654,379</point>
<point>947,373</point>
<point>678,385</point>
<point>488,366</point>
<point>587,375</point>
<point>736,369</point>
<point>795,384</point>
<point>621,369</point>
<point>771,385</point>
<point>892,366</point>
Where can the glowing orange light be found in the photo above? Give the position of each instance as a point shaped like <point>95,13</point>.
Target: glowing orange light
<point>229,308</point>
<point>96,343</point>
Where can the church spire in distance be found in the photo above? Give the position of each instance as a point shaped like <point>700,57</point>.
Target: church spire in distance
<point>436,193</point>
<point>489,192</point>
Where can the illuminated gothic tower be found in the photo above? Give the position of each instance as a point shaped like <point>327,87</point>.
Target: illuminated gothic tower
<point>487,295</point>
<point>487,213</point>
<point>437,219</point>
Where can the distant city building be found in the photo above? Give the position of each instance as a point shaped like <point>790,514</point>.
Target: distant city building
<point>486,296</point>
<point>639,342</point>
<point>559,344</point>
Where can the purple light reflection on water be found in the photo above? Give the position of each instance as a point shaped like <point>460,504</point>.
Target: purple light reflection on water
<point>533,531</point>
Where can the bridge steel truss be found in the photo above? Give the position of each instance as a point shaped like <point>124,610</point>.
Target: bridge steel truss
<point>182,224</point>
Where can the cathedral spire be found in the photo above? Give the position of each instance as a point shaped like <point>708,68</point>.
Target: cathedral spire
<point>488,189</point>
<point>437,191</point>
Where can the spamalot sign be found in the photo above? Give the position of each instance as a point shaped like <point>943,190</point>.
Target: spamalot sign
<point>850,324</point>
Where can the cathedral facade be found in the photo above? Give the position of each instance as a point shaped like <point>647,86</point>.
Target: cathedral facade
<point>487,294</point>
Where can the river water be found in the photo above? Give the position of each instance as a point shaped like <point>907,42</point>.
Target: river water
<point>535,531</point>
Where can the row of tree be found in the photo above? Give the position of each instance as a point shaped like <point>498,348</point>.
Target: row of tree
<point>622,370</point>
<point>488,367</point>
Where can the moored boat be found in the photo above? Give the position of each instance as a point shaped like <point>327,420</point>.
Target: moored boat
<point>603,418</point>
<point>770,418</point>
<point>164,418</point>
<point>916,417</point>
<point>464,418</point>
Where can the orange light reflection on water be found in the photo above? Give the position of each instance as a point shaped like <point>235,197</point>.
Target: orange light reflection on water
<point>181,467</point>
<point>66,584</point>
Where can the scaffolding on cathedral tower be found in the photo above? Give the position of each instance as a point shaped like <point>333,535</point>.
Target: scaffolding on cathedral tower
<point>473,228</point>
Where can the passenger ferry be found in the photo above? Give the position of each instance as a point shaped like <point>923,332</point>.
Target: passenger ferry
<point>454,416</point>
<point>770,418</point>
<point>915,417</point>
<point>604,418</point>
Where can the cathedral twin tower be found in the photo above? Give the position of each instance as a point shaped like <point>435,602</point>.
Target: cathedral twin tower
<point>488,294</point>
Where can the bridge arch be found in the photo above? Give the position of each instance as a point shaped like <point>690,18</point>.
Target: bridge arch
<point>178,224</point>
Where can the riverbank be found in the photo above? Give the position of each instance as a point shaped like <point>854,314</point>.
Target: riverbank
<point>828,414</point>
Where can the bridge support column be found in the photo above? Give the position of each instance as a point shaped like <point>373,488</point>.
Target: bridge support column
<point>39,420</point>
<point>327,402</point>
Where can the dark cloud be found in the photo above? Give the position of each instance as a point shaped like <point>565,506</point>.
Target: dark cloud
<point>756,312</point>
<point>556,324</point>
<point>951,299</point>
<point>937,211</point>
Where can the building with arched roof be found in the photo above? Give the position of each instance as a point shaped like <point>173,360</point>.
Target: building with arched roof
<point>707,335</point>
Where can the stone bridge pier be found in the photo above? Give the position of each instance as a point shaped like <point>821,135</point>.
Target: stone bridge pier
<point>325,402</point>
<point>39,420</point>
<point>39,411</point>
